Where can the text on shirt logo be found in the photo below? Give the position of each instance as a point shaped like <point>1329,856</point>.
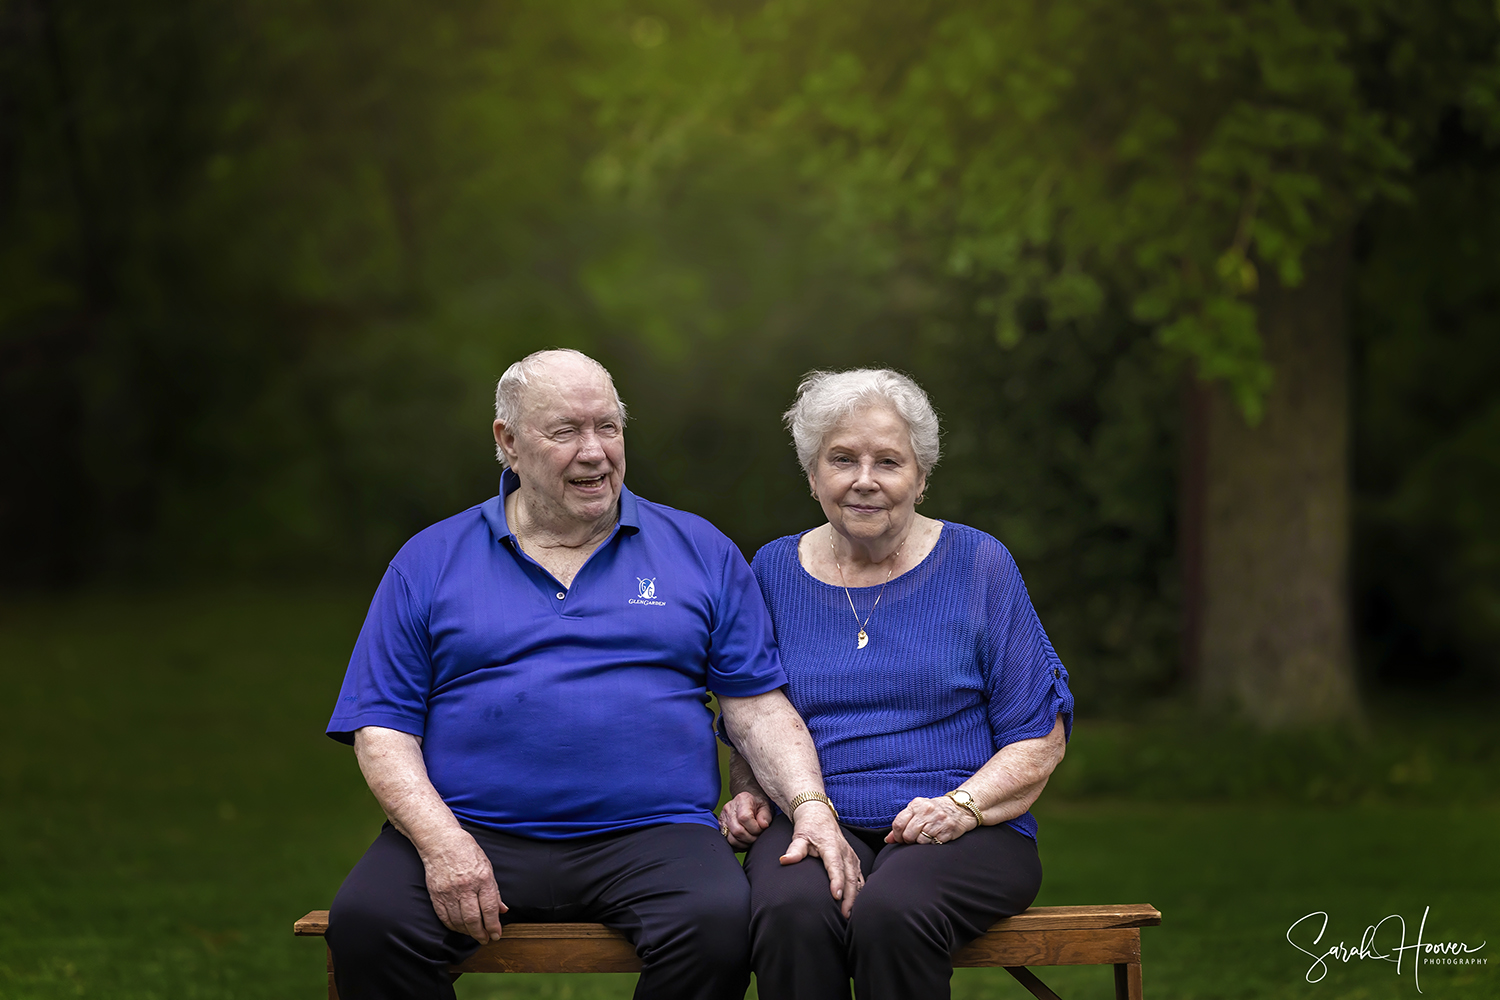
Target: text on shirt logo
<point>645,588</point>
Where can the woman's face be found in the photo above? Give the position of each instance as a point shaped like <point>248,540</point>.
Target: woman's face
<point>866,475</point>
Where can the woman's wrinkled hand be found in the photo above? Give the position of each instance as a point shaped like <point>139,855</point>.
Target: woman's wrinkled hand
<point>743,819</point>
<point>931,822</point>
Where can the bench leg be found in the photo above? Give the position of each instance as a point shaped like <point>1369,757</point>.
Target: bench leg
<point>333,990</point>
<point>1128,981</point>
<point>1028,979</point>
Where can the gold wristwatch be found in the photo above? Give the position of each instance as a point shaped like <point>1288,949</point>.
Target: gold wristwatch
<point>807,797</point>
<point>963,798</point>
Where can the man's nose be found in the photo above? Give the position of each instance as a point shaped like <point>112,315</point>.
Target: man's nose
<point>590,447</point>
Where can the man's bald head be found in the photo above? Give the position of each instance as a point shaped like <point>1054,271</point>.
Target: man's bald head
<point>538,369</point>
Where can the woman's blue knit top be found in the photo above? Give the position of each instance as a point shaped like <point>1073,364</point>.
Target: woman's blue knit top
<point>957,667</point>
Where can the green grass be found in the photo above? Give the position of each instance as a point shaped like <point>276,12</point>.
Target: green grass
<point>170,804</point>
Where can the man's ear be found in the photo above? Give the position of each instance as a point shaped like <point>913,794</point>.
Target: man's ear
<point>506,442</point>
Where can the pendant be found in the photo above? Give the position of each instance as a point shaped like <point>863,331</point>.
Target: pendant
<point>864,640</point>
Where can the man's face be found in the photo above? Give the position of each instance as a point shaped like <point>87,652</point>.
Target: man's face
<point>569,450</point>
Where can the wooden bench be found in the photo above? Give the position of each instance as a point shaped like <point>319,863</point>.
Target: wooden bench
<point>1043,935</point>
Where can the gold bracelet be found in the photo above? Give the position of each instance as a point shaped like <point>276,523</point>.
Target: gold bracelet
<point>807,797</point>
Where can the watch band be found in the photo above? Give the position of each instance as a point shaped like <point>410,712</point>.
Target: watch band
<point>807,797</point>
<point>967,801</point>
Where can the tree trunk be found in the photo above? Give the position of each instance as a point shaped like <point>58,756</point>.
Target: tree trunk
<point>1272,630</point>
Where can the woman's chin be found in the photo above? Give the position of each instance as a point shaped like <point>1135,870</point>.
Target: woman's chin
<point>870,527</point>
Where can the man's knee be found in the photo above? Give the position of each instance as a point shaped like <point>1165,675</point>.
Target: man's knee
<point>362,924</point>
<point>717,913</point>
<point>383,907</point>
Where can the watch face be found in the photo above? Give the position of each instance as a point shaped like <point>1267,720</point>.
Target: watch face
<point>962,797</point>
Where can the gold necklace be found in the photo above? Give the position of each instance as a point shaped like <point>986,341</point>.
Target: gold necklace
<point>864,638</point>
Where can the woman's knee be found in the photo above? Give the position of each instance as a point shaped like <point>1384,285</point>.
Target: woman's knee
<point>884,919</point>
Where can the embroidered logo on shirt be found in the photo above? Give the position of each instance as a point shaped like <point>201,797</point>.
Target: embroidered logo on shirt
<point>645,588</point>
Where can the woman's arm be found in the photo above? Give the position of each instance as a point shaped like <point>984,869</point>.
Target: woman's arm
<point>1004,788</point>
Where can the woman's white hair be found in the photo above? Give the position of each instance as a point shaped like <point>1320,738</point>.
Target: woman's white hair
<point>510,391</point>
<point>826,398</point>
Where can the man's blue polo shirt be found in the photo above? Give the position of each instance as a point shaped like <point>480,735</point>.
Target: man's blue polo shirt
<point>550,712</point>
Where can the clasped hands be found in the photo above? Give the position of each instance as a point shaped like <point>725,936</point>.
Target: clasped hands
<point>746,816</point>
<point>924,821</point>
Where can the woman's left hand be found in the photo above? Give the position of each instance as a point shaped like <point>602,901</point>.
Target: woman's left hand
<point>930,821</point>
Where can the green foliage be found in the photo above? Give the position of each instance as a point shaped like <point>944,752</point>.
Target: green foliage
<point>1167,150</point>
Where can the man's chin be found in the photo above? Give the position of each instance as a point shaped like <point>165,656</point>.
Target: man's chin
<point>592,508</point>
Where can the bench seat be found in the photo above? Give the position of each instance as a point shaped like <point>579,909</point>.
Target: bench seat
<point>1043,935</point>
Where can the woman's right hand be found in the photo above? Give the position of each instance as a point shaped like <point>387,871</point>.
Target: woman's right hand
<point>744,818</point>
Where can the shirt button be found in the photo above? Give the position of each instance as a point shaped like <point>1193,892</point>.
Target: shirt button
<point>561,595</point>
<point>1056,672</point>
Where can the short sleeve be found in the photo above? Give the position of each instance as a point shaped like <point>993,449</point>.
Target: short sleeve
<point>1026,683</point>
<point>390,672</point>
<point>742,658</point>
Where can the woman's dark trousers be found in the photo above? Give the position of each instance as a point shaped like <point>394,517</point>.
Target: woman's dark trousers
<point>919,904</point>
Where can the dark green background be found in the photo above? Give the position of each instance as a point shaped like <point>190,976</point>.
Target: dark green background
<point>260,265</point>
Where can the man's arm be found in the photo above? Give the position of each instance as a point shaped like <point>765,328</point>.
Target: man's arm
<point>772,738</point>
<point>459,878</point>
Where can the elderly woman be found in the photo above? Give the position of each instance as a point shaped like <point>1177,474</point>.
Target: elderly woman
<point>936,702</point>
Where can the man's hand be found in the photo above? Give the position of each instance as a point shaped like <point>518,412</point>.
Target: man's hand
<point>744,818</point>
<point>459,877</point>
<point>930,821</point>
<point>816,834</point>
<point>462,886</point>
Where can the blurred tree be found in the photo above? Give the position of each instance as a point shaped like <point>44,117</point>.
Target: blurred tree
<point>1206,163</point>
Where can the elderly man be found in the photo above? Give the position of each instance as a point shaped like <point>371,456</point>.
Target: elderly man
<point>527,701</point>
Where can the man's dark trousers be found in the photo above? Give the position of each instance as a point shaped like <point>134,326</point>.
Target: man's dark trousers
<point>675,890</point>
